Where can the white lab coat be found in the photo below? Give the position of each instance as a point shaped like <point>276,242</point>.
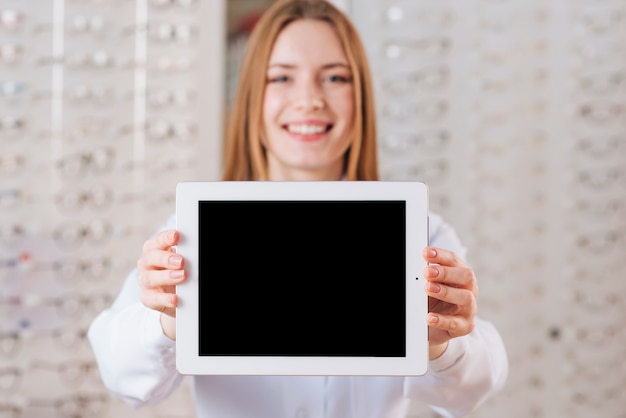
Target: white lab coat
<point>137,363</point>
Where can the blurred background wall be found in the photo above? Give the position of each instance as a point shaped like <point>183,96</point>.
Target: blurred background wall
<point>513,111</point>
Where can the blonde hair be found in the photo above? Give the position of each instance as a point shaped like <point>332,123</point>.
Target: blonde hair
<point>244,155</point>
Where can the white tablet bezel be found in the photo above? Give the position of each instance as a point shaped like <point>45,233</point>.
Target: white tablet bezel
<point>188,360</point>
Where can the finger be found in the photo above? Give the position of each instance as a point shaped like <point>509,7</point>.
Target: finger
<point>462,298</point>
<point>160,259</point>
<point>443,257</point>
<point>159,301</point>
<point>462,277</point>
<point>163,240</point>
<point>455,326</point>
<point>153,279</point>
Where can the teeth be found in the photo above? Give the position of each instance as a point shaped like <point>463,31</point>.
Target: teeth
<point>306,129</point>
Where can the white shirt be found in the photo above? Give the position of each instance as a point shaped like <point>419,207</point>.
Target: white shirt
<point>138,363</point>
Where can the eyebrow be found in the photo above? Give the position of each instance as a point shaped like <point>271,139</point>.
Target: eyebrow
<point>324,67</point>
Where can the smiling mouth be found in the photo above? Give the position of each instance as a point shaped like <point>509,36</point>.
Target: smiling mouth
<point>308,129</point>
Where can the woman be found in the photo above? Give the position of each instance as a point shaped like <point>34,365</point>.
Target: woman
<point>304,111</point>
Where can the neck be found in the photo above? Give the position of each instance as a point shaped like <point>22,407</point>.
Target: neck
<point>324,174</point>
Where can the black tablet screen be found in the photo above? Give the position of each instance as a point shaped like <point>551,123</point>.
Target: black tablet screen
<point>302,278</point>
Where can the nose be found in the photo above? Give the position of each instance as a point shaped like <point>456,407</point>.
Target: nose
<point>309,97</point>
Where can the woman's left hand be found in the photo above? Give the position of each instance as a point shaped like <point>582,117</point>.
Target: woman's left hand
<point>452,291</point>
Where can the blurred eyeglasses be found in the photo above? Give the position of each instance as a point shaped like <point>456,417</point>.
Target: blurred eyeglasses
<point>12,164</point>
<point>10,53</point>
<point>101,197</point>
<point>10,18</point>
<point>600,177</point>
<point>161,130</point>
<point>96,197</point>
<point>601,241</point>
<point>9,343</point>
<point>601,145</point>
<point>68,269</point>
<point>101,2</point>
<point>11,90</point>
<point>172,32</point>
<point>72,339</point>
<point>98,161</point>
<point>412,82</point>
<point>12,408</point>
<point>594,300</point>
<point>71,233</point>
<point>73,269</point>
<point>167,165</point>
<point>12,265</point>
<point>69,338</point>
<point>169,64</point>
<point>601,21</point>
<point>102,162</point>
<point>425,111</point>
<point>601,207</point>
<point>98,59</point>
<point>495,22</point>
<point>402,12</point>
<point>10,378</point>
<point>13,262</point>
<point>166,32</point>
<point>78,405</point>
<point>404,47</point>
<point>80,24</point>
<point>12,125</point>
<point>67,305</point>
<point>499,80</point>
<point>19,92</point>
<point>13,197</point>
<point>499,50</point>
<point>603,82</point>
<point>180,4</point>
<point>67,234</point>
<point>430,172</point>
<point>600,51</point>
<point>601,112</point>
<point>429,140</point>
<point>99,95</point>
<point>72,373</point>
<point>101,129</point>
<point>497,112</point>
<point>161,98</point>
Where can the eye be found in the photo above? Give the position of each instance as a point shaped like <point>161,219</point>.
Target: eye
<point>338,79</point>
<point>279,79</point>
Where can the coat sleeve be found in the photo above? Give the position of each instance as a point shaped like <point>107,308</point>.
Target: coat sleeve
<point>473,368</point>
<point>137,362</point>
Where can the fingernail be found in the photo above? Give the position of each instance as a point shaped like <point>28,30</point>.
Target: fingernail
<point>432,319</point>
<point>431,252</point>
<point>434,287</point>
<point>175,260</point>
<point>432,271</point>
<point>177,274</point>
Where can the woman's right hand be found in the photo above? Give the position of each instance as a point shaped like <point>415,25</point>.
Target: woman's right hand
<point>160,270</point>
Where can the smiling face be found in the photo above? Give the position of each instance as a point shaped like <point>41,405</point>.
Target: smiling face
<point>308,106</point>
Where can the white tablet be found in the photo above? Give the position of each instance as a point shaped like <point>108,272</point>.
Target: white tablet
<point>302,278</point>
